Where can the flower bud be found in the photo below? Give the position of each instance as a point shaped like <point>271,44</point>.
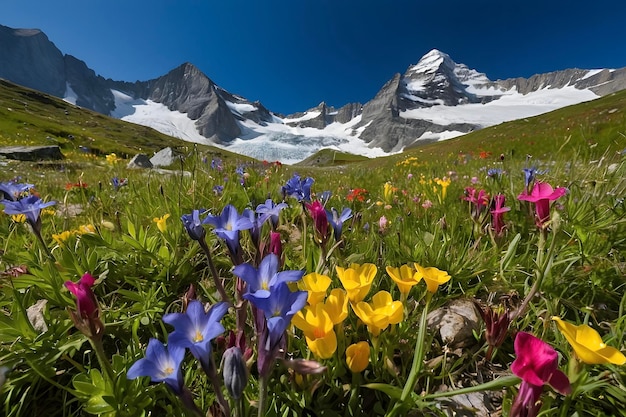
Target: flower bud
<point>234,371</point>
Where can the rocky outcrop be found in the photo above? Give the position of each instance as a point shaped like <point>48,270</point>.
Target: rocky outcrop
<point>32,153</point>
<point>92,91</point>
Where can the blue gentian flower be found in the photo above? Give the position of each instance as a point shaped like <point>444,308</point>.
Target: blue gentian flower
<point>218,190</point>
<point>262,281</point>
<point>216,164</point>
<point>195,329</point>
<point>161,364</point>
<point>336,220</point>
<point>298,188</point>
<point>118,182</point>
<point>193,225</point>
<point>494,172</point>
<point>255,230</point>
<point>325,196</point>
<point>13,190</point>
<point>29,206</point>
<point>279,307</point>
<point>228,225</point>
<point>271,211</point>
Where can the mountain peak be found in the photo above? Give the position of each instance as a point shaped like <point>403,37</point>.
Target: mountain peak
<point>433,61</point>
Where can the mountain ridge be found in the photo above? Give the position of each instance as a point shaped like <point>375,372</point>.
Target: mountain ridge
<point>402,113</point>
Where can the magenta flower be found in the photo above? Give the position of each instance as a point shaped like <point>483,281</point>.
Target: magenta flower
<point>497,213</point>
<point>86,303</point>
<point>320,219</point>
<point>541,195</point>
<point>536,364</point>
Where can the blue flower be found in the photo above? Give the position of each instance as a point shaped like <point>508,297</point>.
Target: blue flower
<point>218,189</point>
<point>195,329</point>
<point>271,211</point>
<point>228,225</point>
<point>494,172</point>
<point>161,364</point>
<point>117,182</point>
<point>13,190</point>
<point>193,225</point>
<point>29,206</point>
<point>336,220</point>
<point>298,188</point>
<point>279,307</point>
<point>262,281</point>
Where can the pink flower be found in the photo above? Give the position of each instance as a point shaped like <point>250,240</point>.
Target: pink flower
<point>318,214</point>
<point>86,303</point>
<point>276,246</point>
<point>497,214</point>
<point>427,204</point>
<point>541,195</point>
<point>536,364</point>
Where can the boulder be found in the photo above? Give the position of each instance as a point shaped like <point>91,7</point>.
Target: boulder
<point>455,322</point>
<point>165,157</point>
<point>140,160</point>
<point>32,153</point>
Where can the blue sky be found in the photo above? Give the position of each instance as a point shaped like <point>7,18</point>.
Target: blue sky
<point>293,54</point>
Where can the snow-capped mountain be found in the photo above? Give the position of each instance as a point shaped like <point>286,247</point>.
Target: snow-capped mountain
<point>434,99</point>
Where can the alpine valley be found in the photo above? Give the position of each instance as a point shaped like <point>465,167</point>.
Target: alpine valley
<point>433,100</point>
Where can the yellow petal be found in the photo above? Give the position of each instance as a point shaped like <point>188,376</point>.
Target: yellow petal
<point>358,356</point>
<point>405,277</point>
<point>588,344</point>
<point>323,347</point>
<point>336,305</point>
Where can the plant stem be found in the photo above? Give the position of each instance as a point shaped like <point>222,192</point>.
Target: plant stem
<point>103,359</point>
<point>418,359</point>
<point>216,276</point>
<point>262,395</point>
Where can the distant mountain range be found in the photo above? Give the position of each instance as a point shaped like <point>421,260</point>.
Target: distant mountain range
<point>433,100</point>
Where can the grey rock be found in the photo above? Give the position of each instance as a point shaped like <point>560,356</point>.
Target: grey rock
<point>35,316</point>
<point>140,161</point>
<point>165,157</point>
<point>32,153</point>
<point>455,323</point>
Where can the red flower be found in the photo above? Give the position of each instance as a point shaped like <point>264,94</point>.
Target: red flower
<point>358,194</point>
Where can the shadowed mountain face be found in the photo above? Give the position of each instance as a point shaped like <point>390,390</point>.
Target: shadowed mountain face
<point>388,121</point>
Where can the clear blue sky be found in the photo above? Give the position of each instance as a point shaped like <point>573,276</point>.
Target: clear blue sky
<point>293,54</point>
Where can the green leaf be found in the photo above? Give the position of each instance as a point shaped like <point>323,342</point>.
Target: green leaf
<point>393,392</point>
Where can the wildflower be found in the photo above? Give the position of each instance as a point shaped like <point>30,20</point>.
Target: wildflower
<point>117,183</point>
<point>358,194</point>
<point>588,344</point>
<point>29,206</point>
<point>497,213</point>
<point>357,280</point>
<point>80,185</point>
<point>497,323</point>
<point>380,313</point>
<point>85,229</point>
<point>193,225</point>
<point>336,305</point>
<point>18,218</point>
<point>494,173</point>
<point>297,187</point>
<point>218,190</point>
<point>316,285</point>
<point>195,329</point>
<point>112,159</point>
<point>358,356</point>
<point>86,318</point>
<point>541,195</point>
<point>427,204</point>
<point>405,277</point>
<point>433,277</point>
<point>444,184</point>
<point>62,237</point>
<point>276,246</point>
<point>217,164</point>
<point>161,364</point>
<point>388,191</point>
<point>13,191</point>
<point>270,211</point>
<point>161,222</point>
<point>261,281</point>
<point>228,225</point>
<point>478,198</point>
<point>336,220</point>
<point>383,224</point>
<point>318,214</point>
<point>317,326</point>
<point>536,363</point>
<point>235,372</point>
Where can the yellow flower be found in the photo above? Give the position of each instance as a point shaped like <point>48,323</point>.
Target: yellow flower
<point>316,285</point>
<point>336,305</point>
<point>388,191</point>
<point>161,222</point>
<point>588,344</point>
<point>380,313</point>
<point>357,280</point>
<point>62,237</point>
<point>85,228</point>
<point>19,218</point>
<point>405,277</point>
<point>317,326</point>
<point>358,356</point>
<point>434,277</point>
<point>112,159</point>
<point>48,212</point>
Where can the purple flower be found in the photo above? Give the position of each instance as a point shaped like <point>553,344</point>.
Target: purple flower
<point>318,214</point>
<point>13,190</point>
<point>262,281</point>
<point>117,182</point>
<point>193,225</point>
<point>228,225</point>
<point>336,220</point>
<point>271,211</point>
<point>218,190</point>
<point>497,213</point>
<point>195,329</point>
<point>29,206</point>
<point>298,188</point>
<point>161,364</point>
<point>541,195</point>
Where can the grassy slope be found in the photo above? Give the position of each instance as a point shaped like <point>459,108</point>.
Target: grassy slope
<point>28,117</point>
